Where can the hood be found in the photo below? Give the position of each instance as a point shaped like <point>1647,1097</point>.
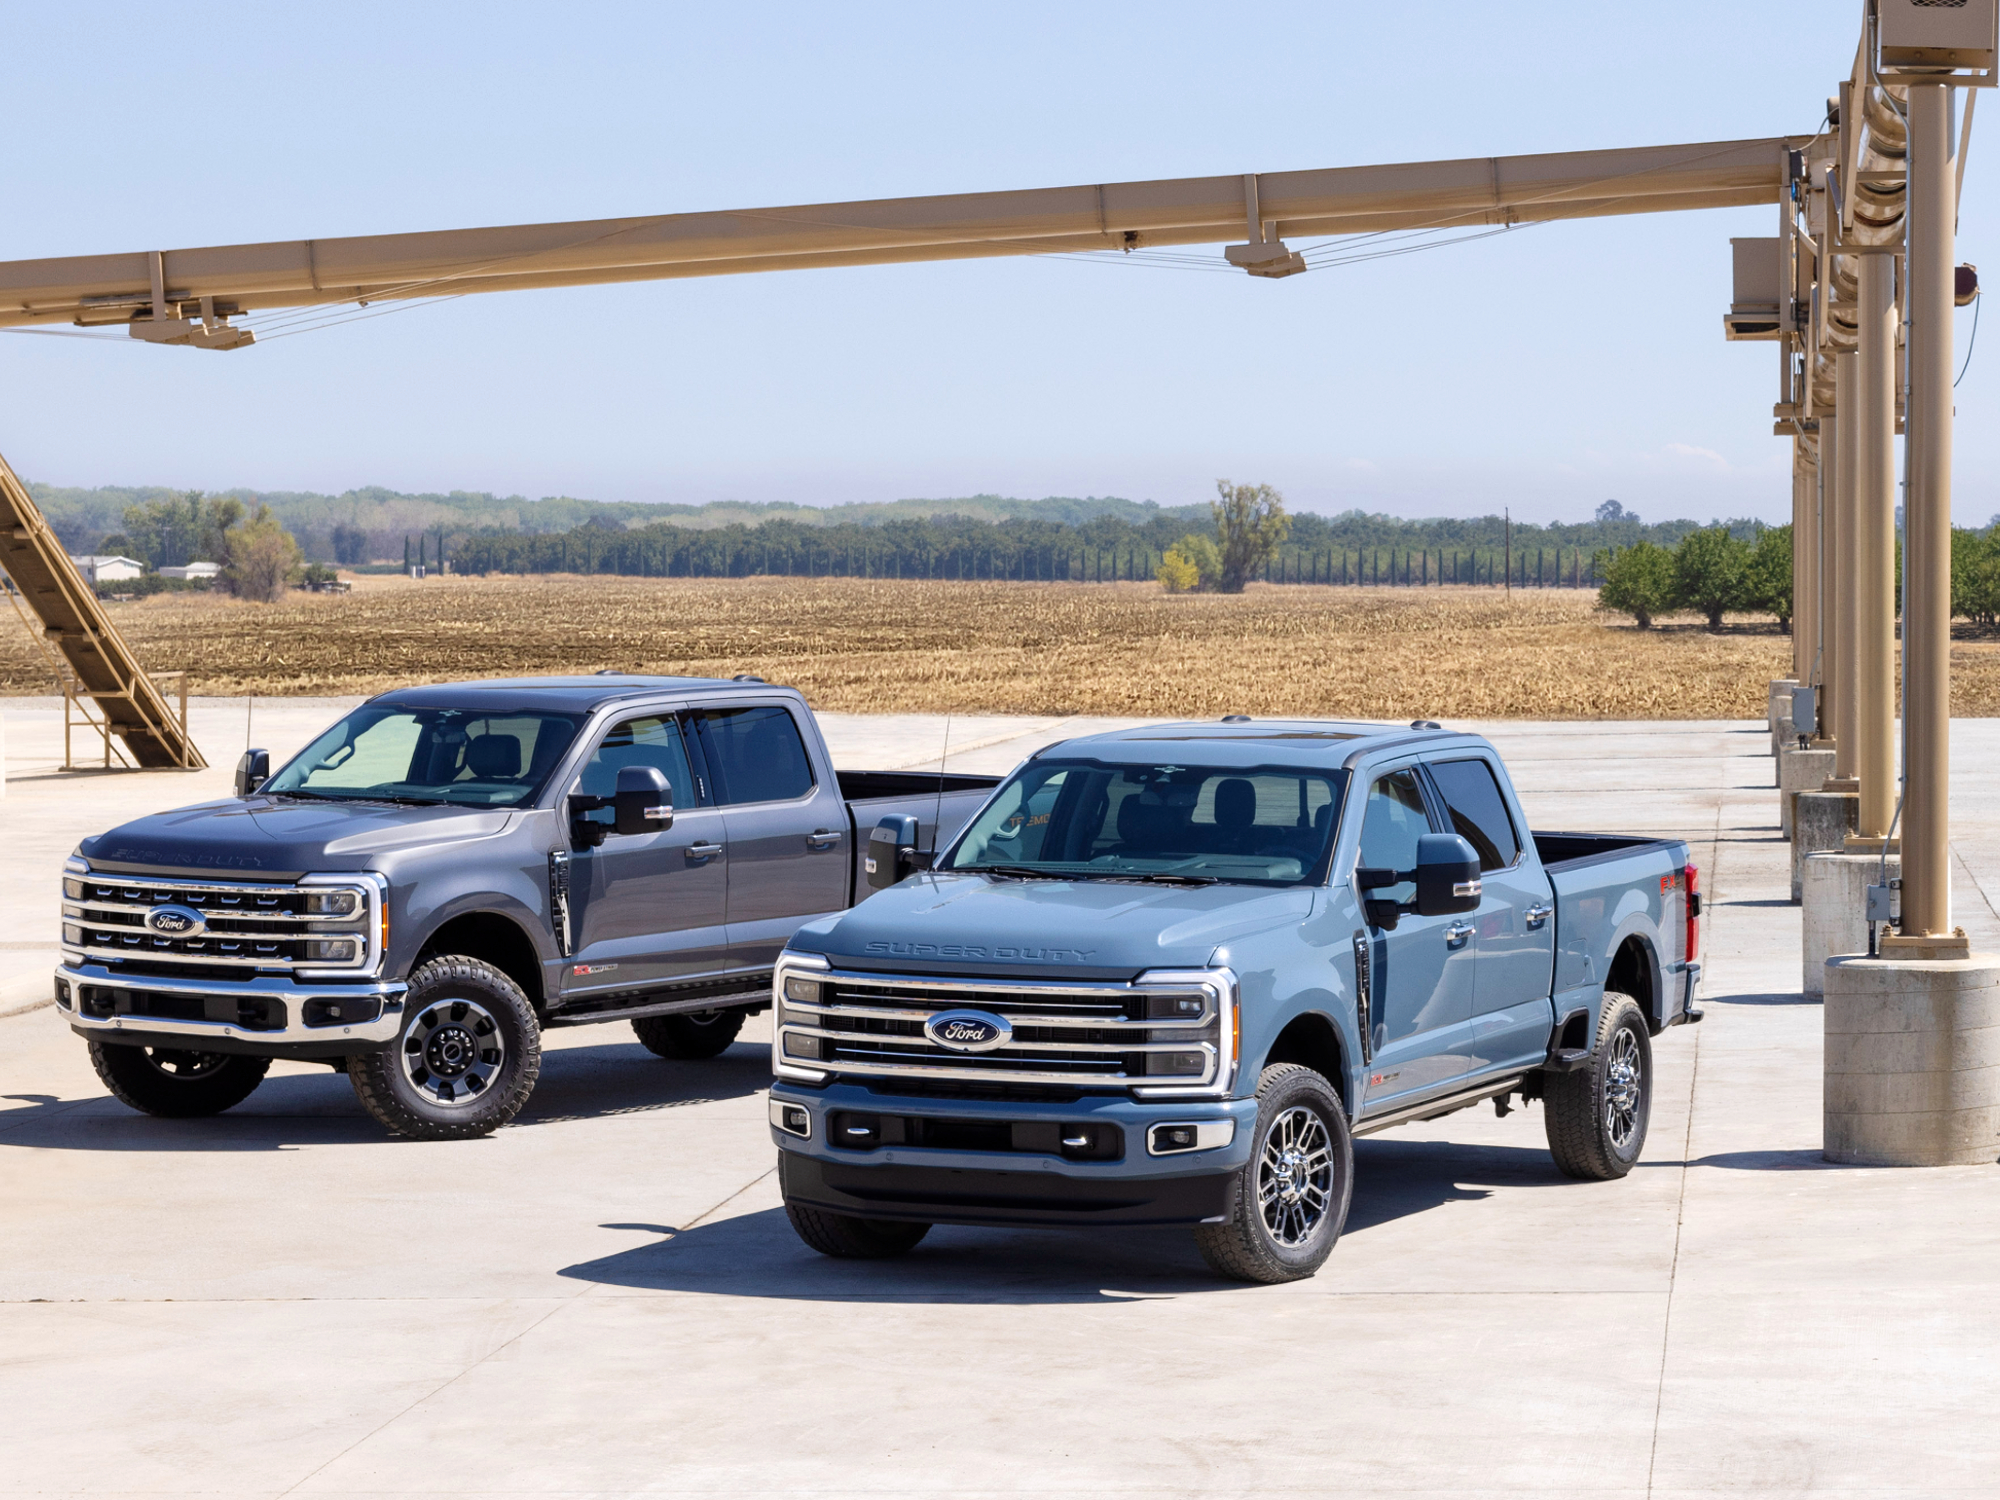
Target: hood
<point>278,837</point>
<point>984,923</point>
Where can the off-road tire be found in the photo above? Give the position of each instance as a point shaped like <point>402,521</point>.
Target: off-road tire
<point>175,1084</point>
<point>442,989</point>
<point>691,1035</point>
<point>1245,1244</point>
<point>1596,1131</point>
<point>845,1237</point>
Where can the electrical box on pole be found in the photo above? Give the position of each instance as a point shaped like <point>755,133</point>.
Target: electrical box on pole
<point>1757,297</point>
<point>1936,33</point>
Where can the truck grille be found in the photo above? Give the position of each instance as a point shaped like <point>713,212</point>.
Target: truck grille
<point>1166,1032</point>
<point>241,926</point>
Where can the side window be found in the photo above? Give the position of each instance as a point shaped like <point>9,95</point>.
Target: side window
<point>1390,826</point>
<point>755,755</point>
<point>1478,811</point>
<point>653,741</point>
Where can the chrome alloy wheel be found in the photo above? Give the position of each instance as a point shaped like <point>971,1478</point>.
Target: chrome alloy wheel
<point>1295,1176</point>
<point>452,1052</point>
<point>1624,1089</point>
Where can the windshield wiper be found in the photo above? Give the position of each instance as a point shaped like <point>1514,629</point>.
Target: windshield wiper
<point>1161,877</point>
<point>1027,872</point>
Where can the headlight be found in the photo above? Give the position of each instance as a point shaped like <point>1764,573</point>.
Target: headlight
<point>72,935</point>
<point>332,950</point>
<point>334,903</point>
<point>798,987</point>
<point>73,889</point>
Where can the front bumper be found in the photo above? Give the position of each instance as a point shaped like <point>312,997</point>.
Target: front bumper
<point>266,1016</point>
<point>948,1186</point>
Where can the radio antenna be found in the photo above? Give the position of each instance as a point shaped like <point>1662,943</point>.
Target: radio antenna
<point>937,812</point>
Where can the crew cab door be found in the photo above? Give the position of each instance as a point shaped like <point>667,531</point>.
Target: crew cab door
<point>786,823</point>
<point>1422,982</point>
<point>647,909</point>
<point>1511,1011</point>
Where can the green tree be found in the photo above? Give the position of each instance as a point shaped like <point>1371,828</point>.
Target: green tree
<point>1767,575</point>
<point>1178,574</point>
<point>1250,526</point>
<point>262,556</point>
<point>1201,554</point>
<point>1639,581</point>
<point>1975,574</point>
<point>1709,569</point>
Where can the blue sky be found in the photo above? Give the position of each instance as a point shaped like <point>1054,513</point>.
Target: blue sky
<point>1544,370</point>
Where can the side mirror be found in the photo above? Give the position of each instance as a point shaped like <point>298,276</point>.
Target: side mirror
<point>1447,875</point>
<point>643,803</point>
<point>892,851</point>
<point>252,771</point>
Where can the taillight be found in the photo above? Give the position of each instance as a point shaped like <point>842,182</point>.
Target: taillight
<point>1691,878</point>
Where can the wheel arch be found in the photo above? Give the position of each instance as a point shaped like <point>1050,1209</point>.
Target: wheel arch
<point>1635,970</point>
<point>493,938</point>
<point>1312,1040</point>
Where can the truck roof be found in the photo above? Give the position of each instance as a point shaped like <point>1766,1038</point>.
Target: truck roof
<point>558,694</point>
<point>1242,741</point>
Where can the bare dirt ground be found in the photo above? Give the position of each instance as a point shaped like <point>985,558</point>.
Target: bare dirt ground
<point>1029,648</point>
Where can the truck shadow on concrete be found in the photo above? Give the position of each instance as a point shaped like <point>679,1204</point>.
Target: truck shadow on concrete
<point>757,1254</point>
<point>318,1107</point>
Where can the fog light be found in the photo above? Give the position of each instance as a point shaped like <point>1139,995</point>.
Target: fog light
<point>1174,1138</point>
<point>331,950</point>
<point>332,903</point>
<point>72,935</point>
<point>793,1119</point>
<point>802,1046</point>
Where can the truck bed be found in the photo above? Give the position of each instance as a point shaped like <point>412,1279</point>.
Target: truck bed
<point>1569,851</point>
<point>941,804</point>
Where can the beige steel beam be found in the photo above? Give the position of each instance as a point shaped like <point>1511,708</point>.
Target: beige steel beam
<point>113,289</point>
<point>73,622</point>
<point>1927,520</point>
<point>1872,602</point>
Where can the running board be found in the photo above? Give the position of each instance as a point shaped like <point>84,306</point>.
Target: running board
<point>752,990</point>
<point>1430,1109</point>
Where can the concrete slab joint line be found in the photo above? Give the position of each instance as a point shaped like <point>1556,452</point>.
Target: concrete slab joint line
<point>1913,1061</point>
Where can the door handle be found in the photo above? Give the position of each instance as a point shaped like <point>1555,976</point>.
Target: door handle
<point>823,838</point>
<point>1539,913</point>
<point>703,850</point>
<point>1456,934</point>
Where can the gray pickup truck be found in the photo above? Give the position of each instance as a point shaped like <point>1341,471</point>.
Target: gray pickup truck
<point>450,870</point>
<point>1166,975</point>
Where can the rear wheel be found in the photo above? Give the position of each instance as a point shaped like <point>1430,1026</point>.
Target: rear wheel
<point>691,1035</point>
<point>466,1060</point>
<point>1289,1203</point>
<point>1596,1117</point>
<point>175,1084</point>
<point>845,1237</point>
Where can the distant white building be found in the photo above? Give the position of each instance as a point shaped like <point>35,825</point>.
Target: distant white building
<point>192,570</point>
<point>109,569</point>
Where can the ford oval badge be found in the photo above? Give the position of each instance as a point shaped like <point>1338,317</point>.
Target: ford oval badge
<point>175,921</point>
<point>969,1030</point>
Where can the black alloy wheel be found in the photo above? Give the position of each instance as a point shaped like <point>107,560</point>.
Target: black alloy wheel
<point>176,1084</point>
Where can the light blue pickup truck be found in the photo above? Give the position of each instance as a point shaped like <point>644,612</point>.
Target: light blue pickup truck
<point>1165,975</point>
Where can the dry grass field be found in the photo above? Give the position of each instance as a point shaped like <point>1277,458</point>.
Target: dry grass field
<point>1021,648</point>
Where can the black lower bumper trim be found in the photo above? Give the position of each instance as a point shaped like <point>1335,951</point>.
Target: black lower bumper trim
<point>233,1046</point>
<point>944,1195</point>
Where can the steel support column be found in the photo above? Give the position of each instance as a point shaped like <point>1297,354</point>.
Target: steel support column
<point>1828,674</point>
<point>1805,561</point>
<point>1872,597</point>
<point>1927,518</point>
<point>1840,595</point>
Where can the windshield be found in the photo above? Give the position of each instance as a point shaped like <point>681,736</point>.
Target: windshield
<point>478,758</point>
<point>1079,818</point>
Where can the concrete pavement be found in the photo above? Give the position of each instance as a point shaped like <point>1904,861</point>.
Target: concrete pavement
<point>605,1299</point>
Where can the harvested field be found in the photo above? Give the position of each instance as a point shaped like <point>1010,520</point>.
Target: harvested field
<point>1026,648</point>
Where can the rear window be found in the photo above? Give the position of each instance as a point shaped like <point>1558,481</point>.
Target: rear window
<point>755,755</point>
<point>1478,811</point>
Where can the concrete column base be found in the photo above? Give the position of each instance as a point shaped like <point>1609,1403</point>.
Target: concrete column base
<point>1778,714</point>
<point>1821,822</point>
<point>1834,893</point>
<point>1913,1061</point>
<point>1799,771</point>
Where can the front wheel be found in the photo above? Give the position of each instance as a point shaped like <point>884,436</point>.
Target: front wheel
<point>174,1084</point>
<point>466,1059</point>
<point>845,1237</point>
<point>1596,1117</point>
<point>1289,1203</point>
<point>691,1035</point>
